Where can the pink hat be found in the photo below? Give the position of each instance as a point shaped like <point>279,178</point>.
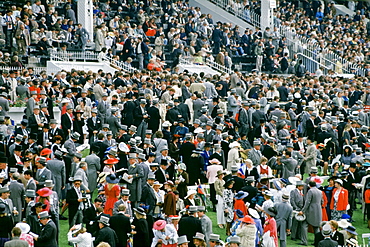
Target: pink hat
<point>214,161</point>
<point>159,225</point>
<point>317,179</point>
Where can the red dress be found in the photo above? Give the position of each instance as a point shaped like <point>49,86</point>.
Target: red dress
<point>323,207</point>
<point>270,225</point>
<point>239,204</point>
<point>112,197</point>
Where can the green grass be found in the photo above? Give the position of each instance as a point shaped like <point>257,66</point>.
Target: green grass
<point>358,217</point>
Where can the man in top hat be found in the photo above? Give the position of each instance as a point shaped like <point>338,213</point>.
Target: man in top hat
<point>327,241</point>
<point>54,130</point>
<point>15,159</point>
<point>45,100</point>
<point>49,235</point>
<point>135,172</point>
<point>148,196</point>
<point>94,125</point>
<point>283,218</point>
<point>353,178</point>
<point>183,241</point>
<point>206,222</point>
<point>93,166</point>
<point>104,108</point>
<point>125,194</point>
<point>141,117</point>
<point>289,165</point>
<point>35,121</point>
<point>120,223</point>
<point>234,241</point>
<point>297,202</point>
<point>106,234</point>
<point>113,122</point>
<point>154,115</point>
<point>312,207</point>
<point>101,146</point>
<point>91,216</point>
<point>70,144</point>
<point>214,240</point>
<point>76,196</point>
<point>255,154</point>
<point>189,226</point>
<point>29,198</point>
<point>4,199</point>
<point>58,171</point>
<point>244,119</point>
<point>310,156</point>
<point>81,172</point>
<point>67,120</point>
<point>31,103</point>
<point>42,173</point>
<point>16,195</point>
<point>22,130</point>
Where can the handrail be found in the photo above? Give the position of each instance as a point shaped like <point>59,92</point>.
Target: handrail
<point>312,65</point>
<point>119,64</point>
<point>74,55</point>
<point>208,62</point>
<point>239,11</point>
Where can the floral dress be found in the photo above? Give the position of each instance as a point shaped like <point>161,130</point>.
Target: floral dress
<point>228,197</point>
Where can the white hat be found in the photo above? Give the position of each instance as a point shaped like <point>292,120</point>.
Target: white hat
<point>166,124</point>
<point>25,228</point>
<point>234,144</point>
<point>190,192</point>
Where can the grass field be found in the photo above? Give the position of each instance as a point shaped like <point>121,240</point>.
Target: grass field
<point>359,223</point>
<point>358,217</point>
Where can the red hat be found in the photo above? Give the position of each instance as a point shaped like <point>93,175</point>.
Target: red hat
<point>111,161</point>
<point>248,219</point>
<point>46,151</point>
<point>159,225</point>
<point>44,192</point>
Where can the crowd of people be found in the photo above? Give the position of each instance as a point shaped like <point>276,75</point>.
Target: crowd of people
<point>141,158</point>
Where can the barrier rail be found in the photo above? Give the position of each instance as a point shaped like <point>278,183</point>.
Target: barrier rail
<point>239,11</point>
<point>208,62</point>
<point>119,65</point>
<point>73,56</point>
<point>37,70</point>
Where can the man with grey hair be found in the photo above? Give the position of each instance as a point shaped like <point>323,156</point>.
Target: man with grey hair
<point>16,195</point>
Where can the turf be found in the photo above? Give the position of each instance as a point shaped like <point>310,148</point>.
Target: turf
<point>358,217</point>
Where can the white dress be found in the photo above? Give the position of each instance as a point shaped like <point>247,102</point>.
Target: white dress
<point>81,240</point>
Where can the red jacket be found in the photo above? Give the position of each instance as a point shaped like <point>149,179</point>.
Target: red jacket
<point>342,200</point>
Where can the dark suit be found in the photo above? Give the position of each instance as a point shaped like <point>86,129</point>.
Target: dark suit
<point>327,242</point>
<point>90,220</point>
<point>41,178</point>
<point>102,147</point>
<point>73,204</point>
<point>49,104</point>
<point>66,123</point>
<point>128,113</point>
<point>106,234</point>
<point>148,197</point>
<point>268,152</point>
<point>338,237</point>
<point>155,118</point>
<point>91,126</point>
<point>189,226</point>
<point>122,226</point>
<point>114,125</point>
<point>32,124</point>
<point>209,136</point>
<point>48,236</point>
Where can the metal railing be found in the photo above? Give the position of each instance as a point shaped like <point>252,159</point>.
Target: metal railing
<point>73,56</point>
<point>208,62</point>
<point>240,11</point>
<point>119,65</point>
<point>312,65</point>
<point>36,70</point>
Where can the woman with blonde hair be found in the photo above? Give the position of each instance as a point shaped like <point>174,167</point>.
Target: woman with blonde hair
<point>79,236</point>
<point>112,193</point>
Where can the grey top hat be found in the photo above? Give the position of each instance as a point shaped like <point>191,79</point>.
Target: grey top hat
<point>256,143</point>
<point>141,156</point>
<point>199,236</point>
<point>105,126</point>
<point>125,192</point>
<point>18,137</point>
<point>214,237</point>
<point>147,141</point>
<point>182,240</point>
<point>13,170</point>
<point>42,160</point>
<point>53,121</point>
<point>49,183</point>
<point>197,121</point>
<point>104,220</point>
<point>299,183</point>
<point>94,110</point>
<point>193,209</point>
<point>4,189</point>
<point>132,156</point>
<point>30,193</point>
<point>133,128</point>
<point>201,208</point>
<point>275,118</point>
<point>151,176</point>
<point>293,105</point>
<point>234,240</point>
<point>326,230</point>
<point>45,214</point>
<point>75,135</point>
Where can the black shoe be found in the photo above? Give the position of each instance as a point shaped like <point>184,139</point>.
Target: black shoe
<point>61,217</point>
<point>293,239</point>
<point>301,243</point>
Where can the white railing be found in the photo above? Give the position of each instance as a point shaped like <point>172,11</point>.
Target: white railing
<point>312,65</point>
<point>119,65</point>
<point>73,56</point>
<point>37,70</point>
<point>208,62</point>
<point>240,11</point>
